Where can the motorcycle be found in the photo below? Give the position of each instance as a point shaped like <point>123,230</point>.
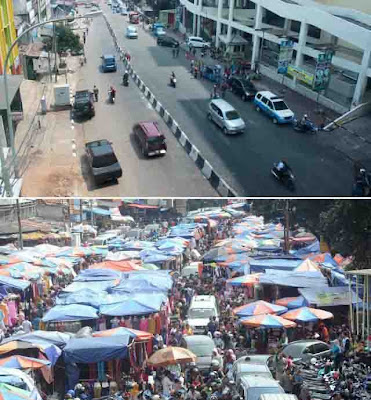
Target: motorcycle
<point>285,177</point>
<point>173,81</point>
<point>111,97</point>
<point>308,127</point>
<point>125,80</point>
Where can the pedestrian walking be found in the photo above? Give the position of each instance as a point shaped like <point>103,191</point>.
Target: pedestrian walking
<point>84,37</point>
<point>194,52</point>
<point>177,50</point>
<point>192,66</point>
<point>96,92</point>
<point>174,53</point>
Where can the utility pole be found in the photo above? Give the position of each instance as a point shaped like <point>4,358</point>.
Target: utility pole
<point>81,233</point>
<point>20,237</point>
<point>91,213</point>
<point>286,236</point>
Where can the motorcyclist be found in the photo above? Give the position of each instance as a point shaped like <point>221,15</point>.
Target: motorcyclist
<point>125,76</point>
<point>363,181</point>
<point>172,77</point>
<point>304,121</point>
<point>282,168</point>
<point>112,92</point>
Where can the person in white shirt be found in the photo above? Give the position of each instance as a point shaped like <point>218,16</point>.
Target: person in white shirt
<point>26,326</point>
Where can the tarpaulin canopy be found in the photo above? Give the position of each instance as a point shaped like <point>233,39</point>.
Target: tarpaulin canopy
<point>96,349</point>
<point>296,279</point>
<point>59,339</point>
<point>329,296</point>
<point>307,265</point>
<point>22,362</point>
<point>128,307</point>
<point>284,264</point>
<point>137,245</point>
<point>292,302</point>
<point>154,256</point>
<point>14,283</point>
<point>71,312</point>
<point>97,274</point>
<point>123,255</point>
<point>245,280</point>
<point>135,286</point>
<point>8,392</point>
<point>99,211</point>
<point>121,266</point>
<point>96,286</point>
<point>159,278</point>
<point>84,296</point>
<point>138,336</point>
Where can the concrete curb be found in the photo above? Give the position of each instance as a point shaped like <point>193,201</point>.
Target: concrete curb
<point>207,170</point>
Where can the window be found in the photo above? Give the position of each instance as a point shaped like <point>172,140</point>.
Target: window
<point>104,160</point>
<point>265,100</point>
<point>201,313</point>
<point>231,115</point>
<point>269,104</point>
<point>258,96</point>
<point>280,105</point>
<point>320,347</point>
<point>220,113</point>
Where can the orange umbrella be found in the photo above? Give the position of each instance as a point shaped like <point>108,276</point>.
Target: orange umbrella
<point>267,321</point>
<point>22,362</point>
<point>170,356</point>
<point>307,314</point>
<point>307,265</point>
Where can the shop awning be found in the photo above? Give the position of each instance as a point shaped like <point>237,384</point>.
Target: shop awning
<point>96,349</point>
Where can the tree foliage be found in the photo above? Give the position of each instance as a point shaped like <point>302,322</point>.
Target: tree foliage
<point>344,224</point>
<point>66,40</point>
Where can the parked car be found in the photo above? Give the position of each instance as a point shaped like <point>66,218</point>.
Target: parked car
<point>225,116</point>
<point>160,31</point>
<point>83,105</point>
<point>274,106</point>
<point>202,346</point>
<point>109,63</point>
<point>252,387</point>
<point>102,161</point>
<point>132,32</point>
<point>197,42</point>
<point>150,138</point>
<point>243,88</point>
<point>251,365</point>
<point>167,41</point>
<point>124,11</point>
<point>306,349</point>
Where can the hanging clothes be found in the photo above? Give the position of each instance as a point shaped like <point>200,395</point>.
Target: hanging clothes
<point>101,371</point>
<point>143,324</point>
<point>151,325</point>
<point>157,319</point>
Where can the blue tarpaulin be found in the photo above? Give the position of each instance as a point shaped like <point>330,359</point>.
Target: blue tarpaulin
<point>72,312</point>
<point>19,284</point>
<point>261,265</point>
<point>99,274</point>
<point>135,286</point>
<point>311,248</point>
<point>298,279</point>
<point>128,307</point>
<point>329,296</point>
<point>96,286</point>
<point>85,296</point>
<point>96,349</point>
<point>99,211</point>
<point>59,339</point>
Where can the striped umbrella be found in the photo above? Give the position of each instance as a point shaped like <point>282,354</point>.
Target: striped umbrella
<point>292,302</point>
<point>267,321</point>
<point>245,280</point>
<point>22,362</point>
<point>9,392</point>
<point>307,314</point>
<point>257,308</point>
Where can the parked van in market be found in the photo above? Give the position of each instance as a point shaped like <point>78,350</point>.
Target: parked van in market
<point>254,386</point>
<point>200,310</point>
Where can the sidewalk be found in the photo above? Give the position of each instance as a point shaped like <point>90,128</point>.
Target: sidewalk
<point>45,143</point>
<point>350,143</point>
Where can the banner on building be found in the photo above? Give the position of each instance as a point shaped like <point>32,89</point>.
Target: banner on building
<point>285,56</point>
<point>323,71</point>
<point>300,74</point>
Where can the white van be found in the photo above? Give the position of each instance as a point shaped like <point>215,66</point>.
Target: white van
<point>131,32</point>
<point>200,310</point>
<point>254,386</point>
<point>103,240</point>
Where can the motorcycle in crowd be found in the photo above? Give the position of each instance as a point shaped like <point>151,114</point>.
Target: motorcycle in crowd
<point>111,96</point>
<point>173,81</point>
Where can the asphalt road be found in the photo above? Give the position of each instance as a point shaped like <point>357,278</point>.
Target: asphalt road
<point>244,161</point>
<point>175,174</point>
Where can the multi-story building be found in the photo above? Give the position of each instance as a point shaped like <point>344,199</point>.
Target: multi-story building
<point>254,29</point>
<point>7,37</point>
<point>360,5</point>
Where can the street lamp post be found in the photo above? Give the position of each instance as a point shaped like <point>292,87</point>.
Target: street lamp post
<point>4,168</point>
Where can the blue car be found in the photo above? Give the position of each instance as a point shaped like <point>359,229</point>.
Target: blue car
<point>274,107</point>
<point>109,63</point>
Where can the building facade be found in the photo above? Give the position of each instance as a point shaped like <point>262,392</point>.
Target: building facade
<point>254,30</point>
<point>7,37</point>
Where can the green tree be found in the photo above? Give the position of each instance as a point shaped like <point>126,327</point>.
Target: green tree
<point>65,40</point>
<point>344,224</point>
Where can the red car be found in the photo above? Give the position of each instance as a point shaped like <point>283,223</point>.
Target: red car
<point>150,138</point>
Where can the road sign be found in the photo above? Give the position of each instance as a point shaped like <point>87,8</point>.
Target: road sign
<point>285,56</point>
<point>323,71</point>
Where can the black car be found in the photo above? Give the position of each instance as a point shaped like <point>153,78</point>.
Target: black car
<point>83,105</point>
<point>243,88</point>
<point>167,41</point>
<point>102,161</point>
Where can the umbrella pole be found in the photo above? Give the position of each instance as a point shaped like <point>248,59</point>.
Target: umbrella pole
<point>351,305</point>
